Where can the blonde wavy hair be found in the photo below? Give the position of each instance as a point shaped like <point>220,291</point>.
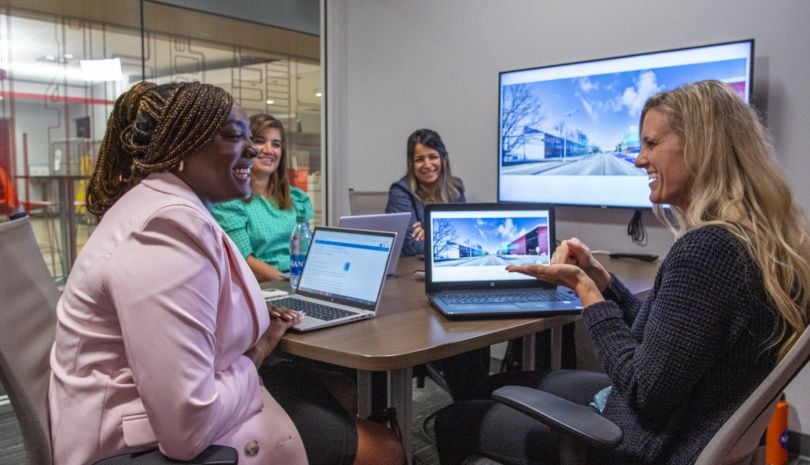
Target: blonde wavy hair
<point>736,184</point>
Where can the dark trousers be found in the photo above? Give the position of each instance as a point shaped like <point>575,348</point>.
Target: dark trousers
<point>327,430</point>
<point>485,427</point>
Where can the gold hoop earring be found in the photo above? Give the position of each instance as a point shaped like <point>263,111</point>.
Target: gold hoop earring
<point>181,166</point>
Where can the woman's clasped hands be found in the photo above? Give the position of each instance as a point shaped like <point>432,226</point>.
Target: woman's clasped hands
<point>574,267</point>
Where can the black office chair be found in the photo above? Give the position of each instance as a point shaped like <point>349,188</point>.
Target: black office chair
<point>737,442</point>
<point>29,295</point>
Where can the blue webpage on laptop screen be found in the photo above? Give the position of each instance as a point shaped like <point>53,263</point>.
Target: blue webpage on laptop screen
<point>477,245</point>
<point>347,266</point>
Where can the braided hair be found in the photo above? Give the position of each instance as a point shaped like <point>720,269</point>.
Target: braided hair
<point>153,128</point>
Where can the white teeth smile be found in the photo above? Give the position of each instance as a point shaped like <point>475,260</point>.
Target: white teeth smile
<point>652,177</point>
<point>242,173</point>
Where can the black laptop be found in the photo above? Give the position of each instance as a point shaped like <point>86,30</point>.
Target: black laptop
<point>467,248</point>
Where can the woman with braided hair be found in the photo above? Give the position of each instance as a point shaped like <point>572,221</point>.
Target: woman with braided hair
<point>161,326</point>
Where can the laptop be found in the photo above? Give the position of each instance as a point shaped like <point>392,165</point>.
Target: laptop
<point>342,278</point>
<point>467,249</point>
<point>392,222</point>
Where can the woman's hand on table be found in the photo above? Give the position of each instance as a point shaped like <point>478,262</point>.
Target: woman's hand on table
<point>284,318</point>
<point>263,271</point>
<point>570,276</point>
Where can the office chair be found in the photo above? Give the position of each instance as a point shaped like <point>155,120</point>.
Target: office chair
<point>737,442</point>
<point>367,202</point>
<point>29,295</point>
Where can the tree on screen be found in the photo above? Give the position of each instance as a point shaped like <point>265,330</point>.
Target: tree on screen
<point>520,110</point>
<point>443,234</point>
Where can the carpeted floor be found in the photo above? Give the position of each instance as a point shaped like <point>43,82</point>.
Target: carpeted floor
<point>426,401</point>
<point>11,448</point>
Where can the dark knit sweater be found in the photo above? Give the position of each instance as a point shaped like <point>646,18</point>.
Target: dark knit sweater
<point>683,361</point>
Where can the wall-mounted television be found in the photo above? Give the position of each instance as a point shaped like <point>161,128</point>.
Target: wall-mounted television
<point>568,134</point>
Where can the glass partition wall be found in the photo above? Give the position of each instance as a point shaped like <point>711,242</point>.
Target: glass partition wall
<point>62,67</point>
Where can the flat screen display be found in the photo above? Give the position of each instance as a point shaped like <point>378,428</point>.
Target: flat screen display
<point>569,135</point>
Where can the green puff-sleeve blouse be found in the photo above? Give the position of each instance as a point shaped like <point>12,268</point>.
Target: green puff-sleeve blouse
<point>260,228</point>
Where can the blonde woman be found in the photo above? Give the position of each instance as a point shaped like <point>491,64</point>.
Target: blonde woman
<point>730,298</point>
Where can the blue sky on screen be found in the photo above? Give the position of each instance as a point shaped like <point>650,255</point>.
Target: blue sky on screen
<point>604,107</point>
<point>491,233</point>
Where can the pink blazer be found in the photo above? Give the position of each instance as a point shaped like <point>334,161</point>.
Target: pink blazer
<point>152,325</point>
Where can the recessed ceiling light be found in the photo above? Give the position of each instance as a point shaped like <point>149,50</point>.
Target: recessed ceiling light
<point>68,56</point>
<point>270,102</point>
<point>318,94</point>
<point>50,57</point>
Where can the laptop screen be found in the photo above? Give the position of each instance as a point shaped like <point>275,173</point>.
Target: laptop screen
<point>475,242</point>
<point>391,222</point>
<point>346,266</point>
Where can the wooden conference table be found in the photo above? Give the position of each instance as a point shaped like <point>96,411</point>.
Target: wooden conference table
<point>408,332</point>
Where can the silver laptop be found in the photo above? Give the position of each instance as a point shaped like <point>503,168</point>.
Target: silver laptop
<point>467,249</point>
<point>342,278</point>
<point>392,222</point>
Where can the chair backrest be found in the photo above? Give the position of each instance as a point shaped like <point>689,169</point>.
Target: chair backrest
<point>367,202</point>
<point>737,440</point>
<point>28,314</point>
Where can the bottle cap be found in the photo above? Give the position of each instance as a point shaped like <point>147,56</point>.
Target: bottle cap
<point>300,218</point>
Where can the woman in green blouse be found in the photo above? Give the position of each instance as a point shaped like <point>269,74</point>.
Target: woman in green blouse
<point>261,226</point>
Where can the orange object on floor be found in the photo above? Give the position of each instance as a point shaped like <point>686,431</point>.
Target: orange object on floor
<point>776,439</point>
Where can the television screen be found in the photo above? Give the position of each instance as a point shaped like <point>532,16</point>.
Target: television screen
<point>568,134</point>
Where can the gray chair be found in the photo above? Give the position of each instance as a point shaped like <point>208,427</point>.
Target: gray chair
<point>738,442</point>
<point>367,202</point>
<point>29,294</point>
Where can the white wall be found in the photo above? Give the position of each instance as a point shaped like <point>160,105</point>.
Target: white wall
<point>397,65</point>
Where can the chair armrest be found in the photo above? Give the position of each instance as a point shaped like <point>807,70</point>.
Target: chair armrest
<point>213,455</point>
<point>558,413</point>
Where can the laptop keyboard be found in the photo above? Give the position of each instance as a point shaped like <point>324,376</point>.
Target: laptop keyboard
<point>321,312</point>
<point>506,297</point>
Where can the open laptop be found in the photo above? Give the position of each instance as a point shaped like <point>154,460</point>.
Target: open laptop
<point>467,249</point>
<point>392,222</point>
<point>342,278</point>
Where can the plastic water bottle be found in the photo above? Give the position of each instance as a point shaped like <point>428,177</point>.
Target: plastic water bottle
<point>299,246</point>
